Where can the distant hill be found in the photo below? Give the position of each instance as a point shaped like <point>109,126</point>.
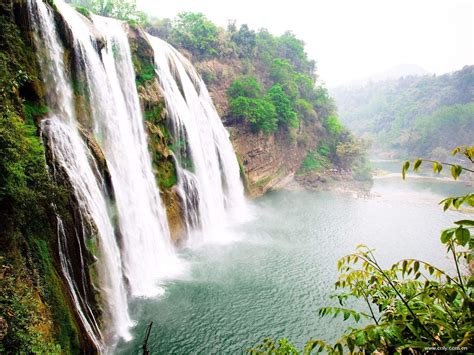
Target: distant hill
<point>419,115</point>
<point>396,72</point>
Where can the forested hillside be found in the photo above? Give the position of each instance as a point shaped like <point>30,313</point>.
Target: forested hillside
<point>421,115</point>
<point>266,90</point>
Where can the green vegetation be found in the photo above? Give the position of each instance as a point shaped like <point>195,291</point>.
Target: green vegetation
<point>409,307</point>
<point>275,69</point>
<point>315,160</point>
<point>271,86</point>
<point>146,73</point>
<point>32,300</point>
<point>194,32</point>
<point>259,112</point>
<point>283,106</point>
<point>415,115</point>
<point>120,9</point>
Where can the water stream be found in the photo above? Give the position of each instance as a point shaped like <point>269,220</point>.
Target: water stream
<point>208,173</point>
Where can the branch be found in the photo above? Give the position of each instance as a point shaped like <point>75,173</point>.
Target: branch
<point>449,164</point>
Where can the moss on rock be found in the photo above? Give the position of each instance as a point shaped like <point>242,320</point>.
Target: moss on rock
<point>160,139</point>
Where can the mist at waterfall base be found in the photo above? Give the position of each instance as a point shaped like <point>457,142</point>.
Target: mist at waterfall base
<point>272,281</point>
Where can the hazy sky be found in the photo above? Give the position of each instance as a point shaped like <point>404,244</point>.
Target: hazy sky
<point>352,39</point>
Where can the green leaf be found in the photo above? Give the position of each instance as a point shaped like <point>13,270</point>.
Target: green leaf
<point>356,317</point>
<point>416,266</point>
<point>417,164</point>
<point>413,329</point>
<point>447,203</point>
<point>454,172</point>
<point>405,167</point>
<point>455,150</point>
<point>437,167</point>
<point>465,222</point>
<point>462,235</point>
<point>360,339</point>
<point>446,235</point>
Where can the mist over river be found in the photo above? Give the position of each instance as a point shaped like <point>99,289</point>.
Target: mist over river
<point>280,267</point>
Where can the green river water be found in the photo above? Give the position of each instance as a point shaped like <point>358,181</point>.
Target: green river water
<point>281,268</point>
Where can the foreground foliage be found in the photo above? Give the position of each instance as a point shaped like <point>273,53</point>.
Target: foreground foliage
<point>412,306</point>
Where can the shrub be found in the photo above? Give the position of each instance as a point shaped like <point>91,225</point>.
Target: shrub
<point>260,113</point>
<point>283,106</point>
<point>246,86</point>
<point>194,32</point>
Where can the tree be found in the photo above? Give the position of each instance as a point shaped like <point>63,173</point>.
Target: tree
<point>283,106</point>
<point>245,39</point>
<point>305,110</point>
<point>292,49</point>
<point>247,86</point>
<point>120,9</point>
<point>260,113</point>
<point>194,32</point>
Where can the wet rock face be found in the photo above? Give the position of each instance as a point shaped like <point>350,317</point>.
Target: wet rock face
<point>156,124</point>
<point>267,161</point>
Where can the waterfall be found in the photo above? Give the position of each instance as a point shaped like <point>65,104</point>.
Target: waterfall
<point>147,253</point>
<point>70,154</point>
<point>208,172</point>
<point>134,252</point>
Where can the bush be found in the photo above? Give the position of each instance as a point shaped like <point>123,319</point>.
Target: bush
<point>246,86</point>
<point>260,113</point>
<point>194,32</point>
<point>283,106</point>
<point>334,126</point>
<point>314,161</point>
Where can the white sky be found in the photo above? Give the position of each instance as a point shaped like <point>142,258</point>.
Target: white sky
<point>353,39</point>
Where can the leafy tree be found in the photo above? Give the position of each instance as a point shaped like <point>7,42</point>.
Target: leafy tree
<point>412,115</point>
<point>120,9</point>
<point>283,106</point>
<point>160,28</point>
<point>247,86</point>
<point>281,71</point>
<point>259,112</point>
<point>245,39</point>
<point>194,32</point>
<point>348,151</point>
<point>315,160</point>
<point>334,126</point>
<point>305,110</point>
<point>266,46</point>
<point>292,49</point>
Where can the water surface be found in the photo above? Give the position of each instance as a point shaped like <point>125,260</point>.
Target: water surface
<point>272,280</point>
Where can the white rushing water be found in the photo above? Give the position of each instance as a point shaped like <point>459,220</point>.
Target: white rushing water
<point>147,254</point>
<point>70,154</point>
<point>208,175</point>
<point>135,252</point>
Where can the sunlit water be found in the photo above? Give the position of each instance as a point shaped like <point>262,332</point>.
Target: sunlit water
<point>272,281</point>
